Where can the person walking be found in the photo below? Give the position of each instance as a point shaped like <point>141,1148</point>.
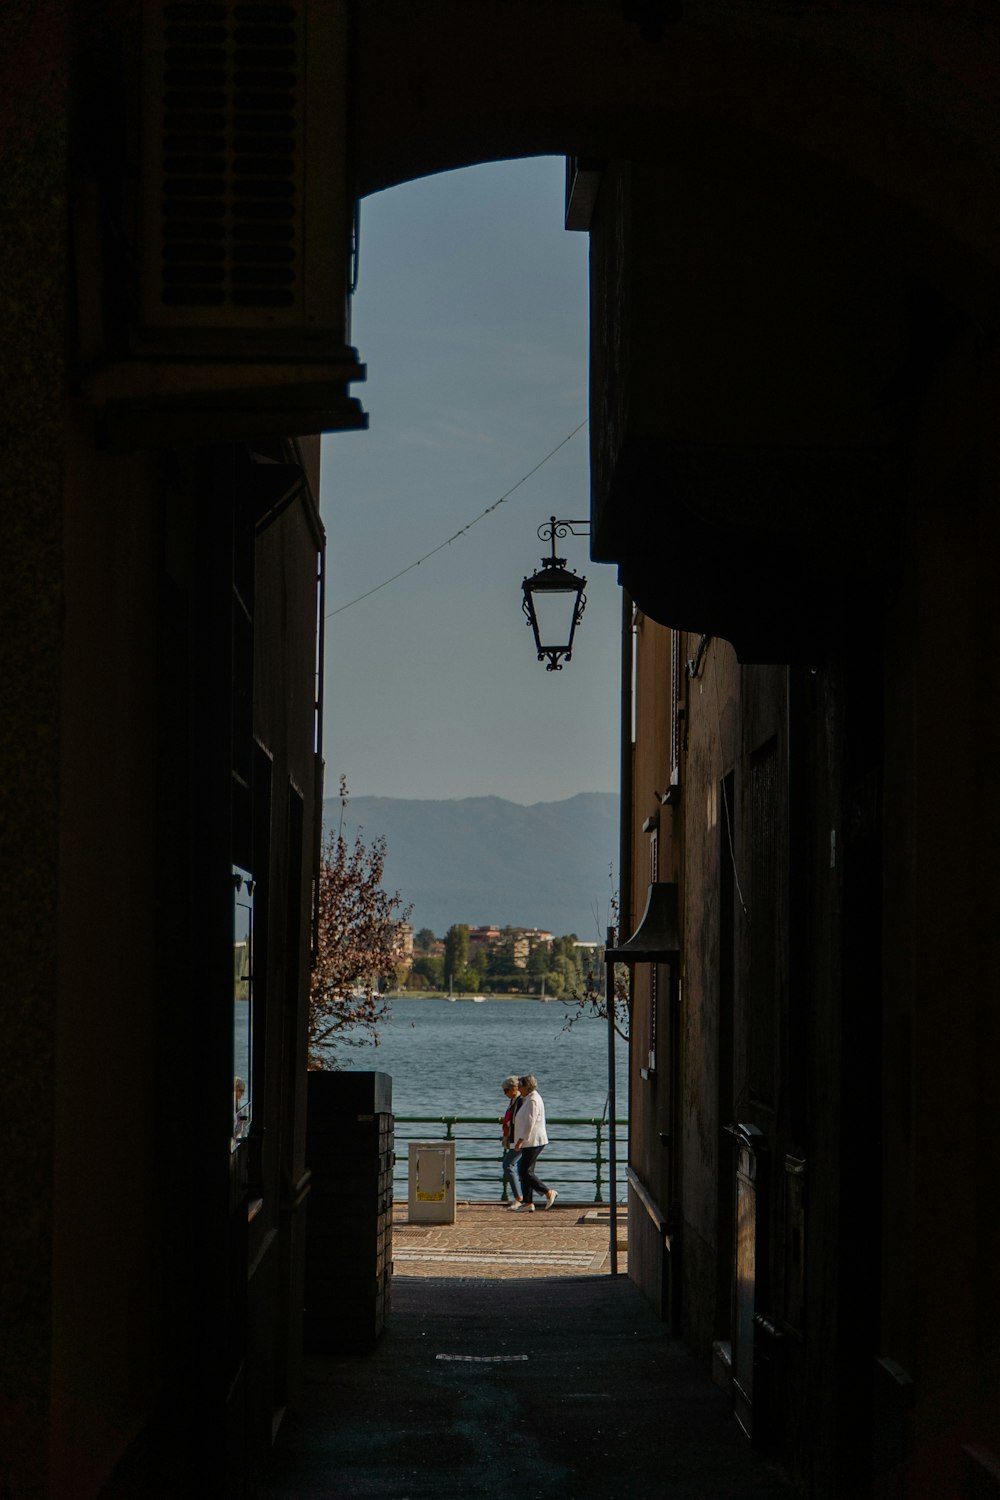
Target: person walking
<point>511,1157</point>
<point>531,1138</point>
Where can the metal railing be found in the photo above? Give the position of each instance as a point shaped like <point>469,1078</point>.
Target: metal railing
<point>575,1161</point>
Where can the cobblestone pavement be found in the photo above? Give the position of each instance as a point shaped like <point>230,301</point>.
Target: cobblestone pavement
<point>487,1240</point>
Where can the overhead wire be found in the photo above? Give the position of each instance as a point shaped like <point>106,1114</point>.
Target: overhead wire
<point>462,530</point>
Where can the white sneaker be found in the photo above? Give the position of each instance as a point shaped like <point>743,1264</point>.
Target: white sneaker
<point>550,1198</point>
<point>513,1207</point>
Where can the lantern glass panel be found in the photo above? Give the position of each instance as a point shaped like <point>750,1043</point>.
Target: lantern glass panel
<point>554,610</point>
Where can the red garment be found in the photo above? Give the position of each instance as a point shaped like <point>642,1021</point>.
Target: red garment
<point>508,1123</point>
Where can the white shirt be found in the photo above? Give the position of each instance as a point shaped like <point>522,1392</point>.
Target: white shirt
<point>530,1126</point>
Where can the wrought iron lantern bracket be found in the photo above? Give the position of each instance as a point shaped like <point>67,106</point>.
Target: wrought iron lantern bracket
<point>555,578</point>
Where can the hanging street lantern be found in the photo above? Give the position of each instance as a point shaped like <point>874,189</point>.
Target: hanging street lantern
<point>554,600</point>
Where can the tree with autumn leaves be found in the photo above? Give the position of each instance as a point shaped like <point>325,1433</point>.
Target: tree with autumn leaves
<point>358,943</point>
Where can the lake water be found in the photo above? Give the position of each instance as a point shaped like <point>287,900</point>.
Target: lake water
<point>450,1057</point>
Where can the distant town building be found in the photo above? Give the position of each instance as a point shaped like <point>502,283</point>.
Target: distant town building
<point>488,938</point>
<point>525,940</point>
<point>483,939</point>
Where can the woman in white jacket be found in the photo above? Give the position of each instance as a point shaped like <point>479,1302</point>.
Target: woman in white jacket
<point>531,1139</point>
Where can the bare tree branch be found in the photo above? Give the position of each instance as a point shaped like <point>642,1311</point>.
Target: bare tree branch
<point>593,1000</point>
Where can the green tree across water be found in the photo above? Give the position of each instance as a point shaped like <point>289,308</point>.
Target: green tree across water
<point>456,952</point>
<point>430,966</point>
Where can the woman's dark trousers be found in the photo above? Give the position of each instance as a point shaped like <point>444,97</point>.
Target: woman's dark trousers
<point>526,1166</point>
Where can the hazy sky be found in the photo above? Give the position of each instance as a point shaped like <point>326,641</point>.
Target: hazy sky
<point>471,315</point>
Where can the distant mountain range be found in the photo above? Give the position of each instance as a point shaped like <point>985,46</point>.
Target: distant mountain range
<point>483,859</point>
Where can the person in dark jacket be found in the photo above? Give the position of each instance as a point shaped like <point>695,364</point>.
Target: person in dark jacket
<point>511,1179</point>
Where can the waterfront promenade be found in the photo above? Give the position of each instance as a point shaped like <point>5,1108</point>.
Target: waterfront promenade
<point>570,1239</point>
<point>514,1364</point>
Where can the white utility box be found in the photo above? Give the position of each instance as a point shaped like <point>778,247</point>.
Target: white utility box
<point>431,1195</point>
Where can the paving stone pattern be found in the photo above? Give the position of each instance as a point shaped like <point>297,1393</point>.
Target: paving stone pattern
<point>490,1241</point>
